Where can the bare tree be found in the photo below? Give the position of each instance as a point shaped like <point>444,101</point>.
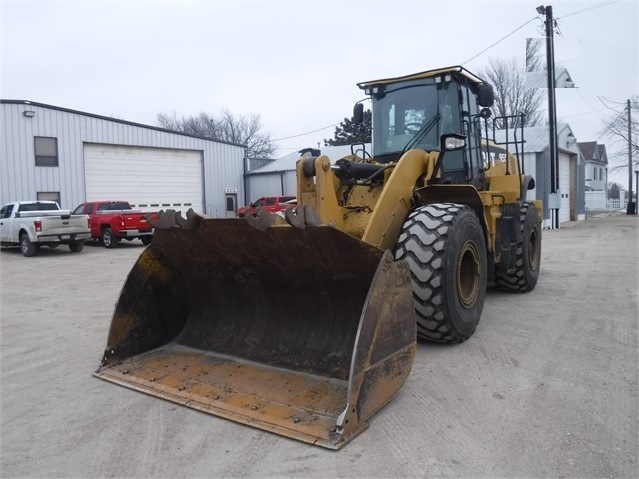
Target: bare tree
<point>226,127</point>
<point>616,128</point>
<point>512,96</point>
<point>533,60</point>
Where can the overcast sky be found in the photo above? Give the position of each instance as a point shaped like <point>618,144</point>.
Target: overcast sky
<point>296,63</point>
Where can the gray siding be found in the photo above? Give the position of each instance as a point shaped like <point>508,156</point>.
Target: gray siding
<point>20,179</point>
<point>270,184</point>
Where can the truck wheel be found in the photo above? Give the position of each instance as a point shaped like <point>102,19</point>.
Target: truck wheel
<point>26,246</point>
<point>528,255</point>
<point>146,240</point>
<point>76,247</point>
<point>109,240</point>
<point>445,247</point>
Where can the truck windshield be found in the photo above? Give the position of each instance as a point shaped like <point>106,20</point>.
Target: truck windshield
<point>406,107</point>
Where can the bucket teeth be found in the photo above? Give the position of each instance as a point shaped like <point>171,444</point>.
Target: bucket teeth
<point>262,220</point>
<point>191,222</point>
<point>164,220</point>
<point>302,216</point>
<point>170,218</point>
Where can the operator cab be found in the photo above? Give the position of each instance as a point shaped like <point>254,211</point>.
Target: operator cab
<point>414,111</point>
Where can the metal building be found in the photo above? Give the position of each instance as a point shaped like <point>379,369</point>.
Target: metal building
<point>279,177</point>
<point>570,198</point>
<point>48,152</point>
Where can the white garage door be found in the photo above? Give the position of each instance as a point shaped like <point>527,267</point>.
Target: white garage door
<point>564,188</point>
<point>150,179</point>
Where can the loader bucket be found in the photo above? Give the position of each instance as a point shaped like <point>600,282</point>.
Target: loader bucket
<point>304,332</point>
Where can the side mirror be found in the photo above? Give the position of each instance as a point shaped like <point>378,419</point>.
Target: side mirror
<point>485,95</point>
<point>358,113</point>
<point>452,142</point>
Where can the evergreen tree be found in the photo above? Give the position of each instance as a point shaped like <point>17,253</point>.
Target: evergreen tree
<point>348,133</point>
<point>613,191</point>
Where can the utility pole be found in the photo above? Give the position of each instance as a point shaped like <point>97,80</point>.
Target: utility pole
<point>553,199</point>
<point>631,209</point>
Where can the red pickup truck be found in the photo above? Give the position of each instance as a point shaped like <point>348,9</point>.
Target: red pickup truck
<point>268,203</point>
<point>111,221</point>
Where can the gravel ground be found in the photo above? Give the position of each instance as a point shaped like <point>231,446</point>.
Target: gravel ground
<point>546,387</point>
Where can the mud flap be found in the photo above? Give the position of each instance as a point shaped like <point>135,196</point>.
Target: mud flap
<point>305,332</point>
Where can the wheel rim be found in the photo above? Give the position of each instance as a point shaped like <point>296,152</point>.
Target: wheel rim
<point>107,239</point>
<point>468,274</point>
<point>533,250</point>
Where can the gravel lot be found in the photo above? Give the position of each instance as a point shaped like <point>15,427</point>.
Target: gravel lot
<point>547,386</point>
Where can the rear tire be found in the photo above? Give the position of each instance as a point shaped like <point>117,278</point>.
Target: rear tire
<point>445,247</point>
<point>109,239</point>
<point>26,246</point>
<point>76,247</point>
<point>528,256</point>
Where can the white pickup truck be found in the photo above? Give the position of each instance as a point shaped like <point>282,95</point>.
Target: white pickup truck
<point>31,224</point>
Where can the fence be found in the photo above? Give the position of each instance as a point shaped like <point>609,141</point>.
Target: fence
<point>596,200</point>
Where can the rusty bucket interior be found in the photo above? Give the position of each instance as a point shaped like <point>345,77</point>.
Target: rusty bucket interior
<point>305,332</point>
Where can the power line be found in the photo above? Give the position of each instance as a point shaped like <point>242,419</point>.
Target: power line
<point>610,101</point>
<point>307,133</point>
<point>500,40</point>
<point>599,5</point>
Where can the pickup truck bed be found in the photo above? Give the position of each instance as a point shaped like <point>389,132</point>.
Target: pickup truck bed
<point>114,220</point>
<point>31,224</point>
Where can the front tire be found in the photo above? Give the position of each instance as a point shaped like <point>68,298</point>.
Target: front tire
<point>527,257</point>
<point>445,247</point>
<point>26,246</point>
<point>109,239</point>
<point>146,240</point>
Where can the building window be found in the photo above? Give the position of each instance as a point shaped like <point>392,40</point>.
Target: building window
<point>46,151</point>
<point>48,196</point>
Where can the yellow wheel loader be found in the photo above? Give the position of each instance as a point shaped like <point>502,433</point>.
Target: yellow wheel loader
<point>305,325</point>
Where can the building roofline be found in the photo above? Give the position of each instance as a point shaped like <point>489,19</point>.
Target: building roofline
<point>117,120</point>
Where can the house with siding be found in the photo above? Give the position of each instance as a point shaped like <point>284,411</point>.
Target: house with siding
<point>596,166</point>
<point>570,197</point>
<point>596,160</point>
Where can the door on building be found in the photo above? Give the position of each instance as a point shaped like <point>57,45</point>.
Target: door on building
<point>231,205</point>
<point>150,179</point>
<point>565,193</point>
<point>49,196</point>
